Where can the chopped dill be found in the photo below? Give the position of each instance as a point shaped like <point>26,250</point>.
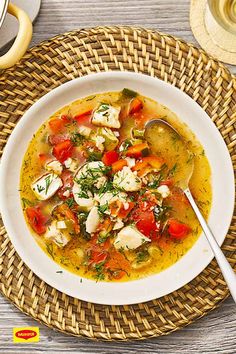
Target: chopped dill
<point>50,251</point>
<point>70,202</point>
<point>48,182</point>
<point>26,202</point>
<point>103,208</point>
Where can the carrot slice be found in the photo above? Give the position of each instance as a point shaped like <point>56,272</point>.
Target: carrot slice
<point>118,165</point>
<point>137,150</point>
<point>135,106</point>
<point>56,125</point>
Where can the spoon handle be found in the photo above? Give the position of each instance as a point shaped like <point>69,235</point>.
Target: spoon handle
<point>227,271</point>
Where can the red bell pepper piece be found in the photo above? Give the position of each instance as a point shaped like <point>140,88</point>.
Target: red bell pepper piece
<point>84,117</point>
<point>62,151</point>
<point>110,157</point>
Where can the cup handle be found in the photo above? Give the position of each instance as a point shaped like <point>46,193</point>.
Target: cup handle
<point>22,40</point>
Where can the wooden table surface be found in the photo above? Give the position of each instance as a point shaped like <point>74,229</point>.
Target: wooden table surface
<point>215,333</point>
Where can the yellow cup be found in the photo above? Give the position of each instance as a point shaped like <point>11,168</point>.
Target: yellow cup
<point>22,40</point>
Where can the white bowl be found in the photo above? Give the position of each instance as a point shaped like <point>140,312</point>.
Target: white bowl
<point>154,286</point>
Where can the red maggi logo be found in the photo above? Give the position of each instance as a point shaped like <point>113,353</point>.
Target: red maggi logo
<point>26,334</point>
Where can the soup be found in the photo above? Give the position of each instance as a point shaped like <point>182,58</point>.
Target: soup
<point>99,200</point>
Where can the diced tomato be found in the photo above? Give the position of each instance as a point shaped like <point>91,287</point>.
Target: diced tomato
<point>178,230</point>
<point>83,118</point>
<point>63,150</point>
<point>37,219</point>
<point>43,158</point>
<point>147,224</point>
<point>123,213</point>
<point>135,106</point>
<point>117,264</point>
<point>97,254</point>
<point>137,150</point>
<point>118,165</point>
<point>70,215</point>
<point>145,220</point>
<point>56,139</point>
<point>56,125</point>
<point>67,180</point>
<point>110,157</point>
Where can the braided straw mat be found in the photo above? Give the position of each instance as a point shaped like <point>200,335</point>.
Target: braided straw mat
<point>79,53</point>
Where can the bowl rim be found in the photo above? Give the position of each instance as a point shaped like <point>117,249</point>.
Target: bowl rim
<point>39,105</point>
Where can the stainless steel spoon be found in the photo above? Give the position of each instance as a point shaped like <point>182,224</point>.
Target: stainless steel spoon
<point>161,138</point>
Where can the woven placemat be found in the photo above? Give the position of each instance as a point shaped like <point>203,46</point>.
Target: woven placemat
<point>78,53</point>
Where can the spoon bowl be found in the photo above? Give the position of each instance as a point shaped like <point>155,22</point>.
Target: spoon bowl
<point>164,140</point>
<point>158,132</point>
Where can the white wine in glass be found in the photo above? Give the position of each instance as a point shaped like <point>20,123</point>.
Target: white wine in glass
<point>220,22</point>
<point>224,12</point>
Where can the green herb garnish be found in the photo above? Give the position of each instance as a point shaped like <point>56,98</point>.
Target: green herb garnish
<point>125,145</point>
<point>99,269</point>
<point>103,208</point>
<point>26,202</point>
<point>49,248</point>
<point>103,236</point>
<point>77,138</point>
<point>70,202</point>
<point>48,182</point>
<point>94,155</point>
<point>82,219</point>
<point>172,170</point>
<point>90,98</point>
<point>161,213</point>
<point>107,187</point>
<point>142,256</point>
<point>103,108</point>
<point>40,188</point>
